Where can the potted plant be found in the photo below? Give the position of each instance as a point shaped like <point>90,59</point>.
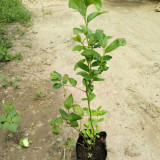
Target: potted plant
<point>91,142</point>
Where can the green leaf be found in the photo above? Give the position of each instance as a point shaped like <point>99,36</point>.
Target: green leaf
<point>74,123</point>
<point>79,5</point>
<point>56,129</point>
<point>95,121</point>
<point>103,112</point>
<point>98,79</point>
<point>83,66</point>
<point>92,96</point>
<point>115,44</point>
<point>63,114</point>
<point>5,125</point>
<point>9,118</point>
<point>59,120</point>
<point>65,79</point>
<point>96,63</point>
<point>74,117</point>
<point>94,15</point>
<point>52,122</point>
<point>56,76</point>
<point>70,143</point>
<point>3,118</point>
<point>107,58</point>
<point>68,102</point>
<point>84,99</point>
<point>54,80</point>
<point>77,109</point>
<point>77,38</point>
<point>86,110</point>
<point>72,81</point>
<point>77,48</point>
<point>94,113</point>
<point>80,61</point>
<point>102,38</point>
<point>57,85</point>
<point>12,127</point>
<point>89,142</point>
<point>12,112</point>
<point>99,108</point>
<point>98,4</point>
<point>101,120</point>
<point>84,82</point>
<point>86,31</point>
<point>77,30</point>
<point>16,119</point>
<point>85,75</point>
<point>88,2</point>
<point>90,52</point>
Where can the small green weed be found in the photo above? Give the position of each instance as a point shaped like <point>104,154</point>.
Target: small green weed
<point>28,46</point>
<point>20,31</point>
<point>5,81</point>
<point>89,155</point>
<point>39,94</point>
<point>46,11</point>
<point>10,120</point>
<point>14,11</point>
<point>5,45</point>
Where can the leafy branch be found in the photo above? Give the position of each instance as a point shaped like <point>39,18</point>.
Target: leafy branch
<point>91,66</point>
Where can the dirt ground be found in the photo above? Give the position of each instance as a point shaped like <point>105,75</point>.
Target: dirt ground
<point>130,92</point>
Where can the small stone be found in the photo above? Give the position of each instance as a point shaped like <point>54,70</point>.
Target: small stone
<point>59,139</point>
<point>19,147</point>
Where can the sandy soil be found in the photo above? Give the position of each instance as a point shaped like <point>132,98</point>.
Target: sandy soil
<point>130,93</point>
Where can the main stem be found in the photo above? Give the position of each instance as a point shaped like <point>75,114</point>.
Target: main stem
<point>87,86</point>
<point>89,107</point>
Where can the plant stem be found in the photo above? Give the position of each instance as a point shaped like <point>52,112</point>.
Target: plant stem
<point>16,137</point>
<point>86,30</point>
<point>90,112</point>
<point>103,56</point>
<point>87,91</point>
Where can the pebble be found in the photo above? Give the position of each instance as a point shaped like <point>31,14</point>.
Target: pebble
<point>5,91</point>
<point>59,139</point>
<point>19,147</point>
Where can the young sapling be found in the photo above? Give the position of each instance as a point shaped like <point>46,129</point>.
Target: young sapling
<point>91,66</point>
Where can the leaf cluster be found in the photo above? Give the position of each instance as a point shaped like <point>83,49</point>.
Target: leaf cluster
<point>69,115</point>
<point>5,45</point>
<point>5,81</point>
<point>60,81</point>
<point>9,120</point>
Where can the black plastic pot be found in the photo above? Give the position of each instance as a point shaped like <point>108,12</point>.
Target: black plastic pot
<point>99,152</point>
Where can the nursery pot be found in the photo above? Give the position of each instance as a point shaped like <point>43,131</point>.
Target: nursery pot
<point>98,152</point>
